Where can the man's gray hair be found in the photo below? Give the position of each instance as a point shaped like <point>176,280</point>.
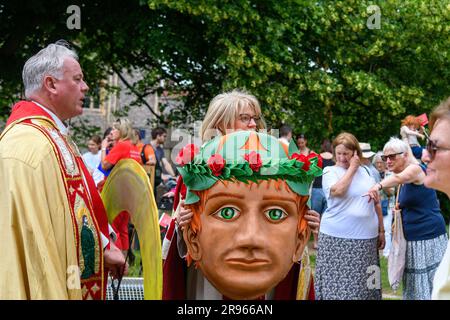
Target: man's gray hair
<point>48,61</point>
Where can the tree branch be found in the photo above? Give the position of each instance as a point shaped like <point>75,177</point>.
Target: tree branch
<point>137,94</point>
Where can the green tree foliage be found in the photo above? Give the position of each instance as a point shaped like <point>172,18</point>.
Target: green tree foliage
<point>115,36</point>
<point>316,64</point>
<point>313,64</point>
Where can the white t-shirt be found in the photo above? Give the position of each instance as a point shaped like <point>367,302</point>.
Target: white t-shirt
<point>409,136</point>
<point>92,160</point>
<point>350,216</point>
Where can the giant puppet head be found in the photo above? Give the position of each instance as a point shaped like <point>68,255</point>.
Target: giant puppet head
<point>248,193</point>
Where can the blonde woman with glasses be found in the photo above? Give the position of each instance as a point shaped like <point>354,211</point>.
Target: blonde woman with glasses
<point>232,111</point>
<point>227,112</point>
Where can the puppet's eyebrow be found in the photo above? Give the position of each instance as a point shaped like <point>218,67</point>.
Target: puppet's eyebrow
<point>279,198</point>
<point>225,194</point>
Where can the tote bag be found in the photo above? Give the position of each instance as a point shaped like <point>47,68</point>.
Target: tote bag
<point>397,254</point>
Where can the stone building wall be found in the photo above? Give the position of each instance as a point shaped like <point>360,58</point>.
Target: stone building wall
<point>140,116</point>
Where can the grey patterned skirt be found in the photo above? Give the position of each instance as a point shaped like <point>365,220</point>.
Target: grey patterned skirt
<point>347,269</point>
<point>422,260</point>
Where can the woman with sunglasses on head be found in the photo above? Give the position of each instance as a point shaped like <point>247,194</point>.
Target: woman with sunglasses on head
<point>227,112</point>
<point>437,158</point>
<point>423,224</point>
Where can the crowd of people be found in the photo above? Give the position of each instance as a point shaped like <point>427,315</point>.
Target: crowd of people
<point>351,205</point>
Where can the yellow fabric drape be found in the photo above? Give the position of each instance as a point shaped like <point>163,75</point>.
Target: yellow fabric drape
<point>128,188</point>
<point>38,253</point>
<point>151,173</point>
<point>304,277</point>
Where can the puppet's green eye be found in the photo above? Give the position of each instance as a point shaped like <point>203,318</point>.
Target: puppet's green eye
<point>227,213</point>
<point>276,214</point>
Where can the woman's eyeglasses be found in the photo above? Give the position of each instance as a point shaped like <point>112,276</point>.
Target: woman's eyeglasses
<point>246,118</point>
<point>432,148</point>
<point>390,156</point>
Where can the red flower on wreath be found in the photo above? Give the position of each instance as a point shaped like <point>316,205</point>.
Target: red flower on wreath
<point>302,158</point>
<point>254,159</point>
<point>216,163</point>
<point>187,154</point>
<point>313,155</point>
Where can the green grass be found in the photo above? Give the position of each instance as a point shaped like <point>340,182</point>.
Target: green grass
<point>134,268</point>
<point>386,288</point>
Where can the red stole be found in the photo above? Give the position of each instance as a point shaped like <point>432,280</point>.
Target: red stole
<point>86,207</point>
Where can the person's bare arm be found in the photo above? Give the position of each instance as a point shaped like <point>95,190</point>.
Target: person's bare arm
<point>168,167</point>
<point>341,187</point>
<point>412,174</point>
<point>381,231</point>
<point>105,164</point>
<point>413,132</point>
<point>151,160</point>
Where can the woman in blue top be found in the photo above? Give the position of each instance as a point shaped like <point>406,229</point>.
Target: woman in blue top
<point>423,224</point>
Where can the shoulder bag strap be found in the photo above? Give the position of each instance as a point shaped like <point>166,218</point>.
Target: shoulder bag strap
<point>396,197</point>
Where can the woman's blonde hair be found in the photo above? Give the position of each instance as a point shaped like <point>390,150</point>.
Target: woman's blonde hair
<point>223,111</point>
<point>126,130</point>
<point>349,141</point>
<point>441,111</point>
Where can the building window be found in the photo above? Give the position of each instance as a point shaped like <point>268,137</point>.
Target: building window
<point>93,100</point>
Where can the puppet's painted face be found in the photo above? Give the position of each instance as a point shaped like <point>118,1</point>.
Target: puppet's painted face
<point>249,238</point>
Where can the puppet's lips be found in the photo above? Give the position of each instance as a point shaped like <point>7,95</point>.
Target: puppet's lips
<point>247,262</point>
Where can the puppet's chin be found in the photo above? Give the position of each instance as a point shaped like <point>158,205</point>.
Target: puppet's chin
<point>241,282</point>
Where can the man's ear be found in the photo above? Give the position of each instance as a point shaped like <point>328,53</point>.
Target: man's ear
<point>302,240</point>
<point>49,84</point>
<point>192,242</point>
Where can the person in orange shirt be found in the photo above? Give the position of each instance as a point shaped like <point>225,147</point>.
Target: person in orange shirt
<point>125,148</point>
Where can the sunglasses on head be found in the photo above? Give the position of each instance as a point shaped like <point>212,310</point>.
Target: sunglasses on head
<point>390,156</point>
<point>432,148</point>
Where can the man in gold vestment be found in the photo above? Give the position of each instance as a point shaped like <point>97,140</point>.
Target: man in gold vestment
<point>54,233</point>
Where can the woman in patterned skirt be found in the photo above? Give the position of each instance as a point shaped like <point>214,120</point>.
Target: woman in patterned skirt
<point>423,224</point>
<point>351,229</point>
